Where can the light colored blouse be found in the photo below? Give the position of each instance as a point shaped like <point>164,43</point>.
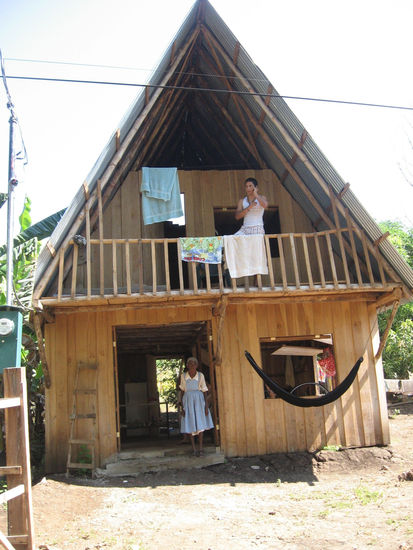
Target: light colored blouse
<point>253,216</point>
<point>201,381</point>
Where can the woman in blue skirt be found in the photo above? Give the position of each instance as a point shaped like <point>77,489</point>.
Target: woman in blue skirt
<point>196,417</point>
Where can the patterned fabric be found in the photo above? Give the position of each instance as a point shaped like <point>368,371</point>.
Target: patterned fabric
<point>207,250</point>
<point>327,363</point>
<point>251,230</point>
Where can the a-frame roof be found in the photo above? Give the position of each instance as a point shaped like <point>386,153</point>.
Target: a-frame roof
<point>208,106</point>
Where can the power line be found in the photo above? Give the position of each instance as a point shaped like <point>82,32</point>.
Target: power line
<point>74,64</point>
<point>212,90</point>
<point>99,66</point>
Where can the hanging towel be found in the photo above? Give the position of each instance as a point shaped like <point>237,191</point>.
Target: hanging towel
<point>245,255</point>
<point>161,198</point>
<point>207,250</point>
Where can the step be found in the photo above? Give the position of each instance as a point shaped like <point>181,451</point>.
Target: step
<point>136,466</point>
<point>157,451</point>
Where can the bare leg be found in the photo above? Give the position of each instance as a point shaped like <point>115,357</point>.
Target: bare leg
<point>193,443</point>
<point>201,441</point>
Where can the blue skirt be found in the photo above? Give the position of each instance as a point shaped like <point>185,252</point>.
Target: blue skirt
<point>195,420</point>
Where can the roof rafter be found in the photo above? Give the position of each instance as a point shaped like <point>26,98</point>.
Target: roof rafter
<point>220,68</point>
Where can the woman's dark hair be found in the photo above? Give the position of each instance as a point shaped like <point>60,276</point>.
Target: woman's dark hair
<point>252,180</point>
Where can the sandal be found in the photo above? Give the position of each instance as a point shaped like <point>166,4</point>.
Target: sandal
<point>201,453</point>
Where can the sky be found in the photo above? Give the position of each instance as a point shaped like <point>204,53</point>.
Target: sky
<point>353,51</point>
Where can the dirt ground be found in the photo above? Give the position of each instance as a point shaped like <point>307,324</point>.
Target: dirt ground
<point>347,499</point>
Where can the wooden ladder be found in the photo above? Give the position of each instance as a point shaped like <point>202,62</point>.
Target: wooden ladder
<point>88,388</point>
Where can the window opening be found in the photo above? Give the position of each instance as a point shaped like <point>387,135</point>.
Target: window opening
<point>304,365</point>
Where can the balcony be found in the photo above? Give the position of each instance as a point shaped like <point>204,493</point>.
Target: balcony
<point>339,261</point>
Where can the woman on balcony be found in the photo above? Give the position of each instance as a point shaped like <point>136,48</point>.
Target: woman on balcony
<point>250,209</point>
<point>196,417</point>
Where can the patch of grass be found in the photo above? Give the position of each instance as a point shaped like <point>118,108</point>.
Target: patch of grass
<point>394,413</point>
<point>84,456</point>
<point>365,496</point>
<point>132,498</point>
<point>331,448</point>
<point>341,504</point>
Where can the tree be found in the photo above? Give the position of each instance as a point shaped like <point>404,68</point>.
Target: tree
<point>398,353</point>
<point>167,372</point>
<point>24,263</point>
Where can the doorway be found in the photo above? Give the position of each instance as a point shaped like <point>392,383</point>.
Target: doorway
<point>147,358</point>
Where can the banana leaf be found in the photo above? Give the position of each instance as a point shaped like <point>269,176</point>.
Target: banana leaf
<point>41,230</point>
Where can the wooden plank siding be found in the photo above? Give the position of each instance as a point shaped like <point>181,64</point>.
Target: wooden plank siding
<point>249,424</point>
<point>353,420</point>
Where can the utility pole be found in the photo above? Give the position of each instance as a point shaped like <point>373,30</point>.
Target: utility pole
<point>11,318</point>
<point>12,183</point>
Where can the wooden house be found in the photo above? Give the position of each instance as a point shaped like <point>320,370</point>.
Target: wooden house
<point>112,293</point>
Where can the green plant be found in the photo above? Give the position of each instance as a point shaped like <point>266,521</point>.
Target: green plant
<point>84,456</point>
<point>331,448</point>
<point>167,372</point>
<point>365,496</point>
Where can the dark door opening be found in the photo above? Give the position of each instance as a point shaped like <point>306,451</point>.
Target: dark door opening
<point>149,362</point>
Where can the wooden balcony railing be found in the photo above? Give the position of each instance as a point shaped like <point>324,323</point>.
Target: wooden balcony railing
<point>341,259</point>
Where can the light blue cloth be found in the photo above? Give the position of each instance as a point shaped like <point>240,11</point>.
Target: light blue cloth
<point>193,402</point>
<point>161,197</point>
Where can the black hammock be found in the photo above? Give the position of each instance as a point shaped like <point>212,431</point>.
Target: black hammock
<point>303,401</point>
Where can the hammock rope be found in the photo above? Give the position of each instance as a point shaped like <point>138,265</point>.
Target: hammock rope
<point>303,401</point>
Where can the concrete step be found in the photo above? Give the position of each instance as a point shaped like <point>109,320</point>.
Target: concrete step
<point>138,461</point>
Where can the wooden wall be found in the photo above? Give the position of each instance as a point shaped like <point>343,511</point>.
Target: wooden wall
<point>252,425</point>
<point>87,338</point>
<point>249,423</point>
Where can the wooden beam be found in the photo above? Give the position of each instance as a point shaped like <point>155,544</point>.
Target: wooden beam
<point>51,249</point>
<point>389,298</point>
<point>236,128</point>
<point>385,335</point>
<point>236,53</point>
<point>339,235</point>
<point>101,247</point>
<point>344,190</point>
<point>220,312</point>
<point>213,53</point>
<point>382,238</point>
<point>164,107</point>
<point>228,137</point>
<point>19,509</point>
